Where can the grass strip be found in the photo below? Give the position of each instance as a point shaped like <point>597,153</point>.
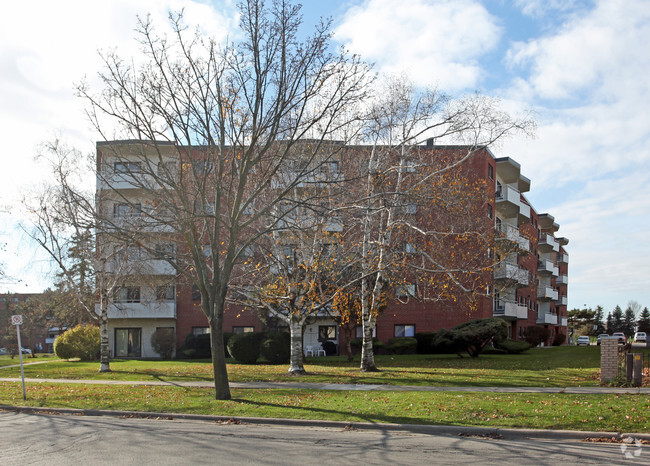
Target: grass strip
<point>543,367</point>
<point>610,412</point>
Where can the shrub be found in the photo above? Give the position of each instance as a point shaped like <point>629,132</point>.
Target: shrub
<point>276,347</point>
<point>163,342</point>
<point>513,346</point>
<point>470,336</point>
<point>425,343</point>
<point>536,334</point>
<point>402,345</point>
<point>82,341</point>
<point>245,347</point>
<point>492,350</point>
<point>329,347</point>
<point>559,339</point>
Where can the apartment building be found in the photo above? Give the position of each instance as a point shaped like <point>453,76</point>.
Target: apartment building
<point>527,263</point>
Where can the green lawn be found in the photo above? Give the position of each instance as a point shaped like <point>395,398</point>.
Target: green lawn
<point>6,360</point>
<point>628,413</point>
<point>542,367</point>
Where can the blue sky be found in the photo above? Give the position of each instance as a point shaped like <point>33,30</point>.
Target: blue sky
<point>582,66</point>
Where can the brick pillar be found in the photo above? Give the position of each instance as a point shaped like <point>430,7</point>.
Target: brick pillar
<point>608,359</point>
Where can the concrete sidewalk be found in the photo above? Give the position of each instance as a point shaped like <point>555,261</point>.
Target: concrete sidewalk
<point>352,387</point>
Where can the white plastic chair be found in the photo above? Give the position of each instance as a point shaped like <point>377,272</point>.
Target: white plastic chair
<point>314,351</point>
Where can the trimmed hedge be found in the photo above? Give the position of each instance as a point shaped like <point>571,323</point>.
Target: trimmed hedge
<point>402,345</point>
<point>245,347</point>
<point>276,347</point>
<point>425,342</point>
<point>82,341</point>
<point>470,336</point>
<point>513,346</point>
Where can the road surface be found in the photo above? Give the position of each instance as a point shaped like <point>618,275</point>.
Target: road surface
<point>47,439</point>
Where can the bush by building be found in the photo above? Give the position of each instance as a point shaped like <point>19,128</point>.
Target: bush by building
<point>82,341</point>
<point>276,347</point>
<point>163,342</point>
<point>245,347</point>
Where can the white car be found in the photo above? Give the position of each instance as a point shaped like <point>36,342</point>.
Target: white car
<point>640,337</point>
<point>583,340</point>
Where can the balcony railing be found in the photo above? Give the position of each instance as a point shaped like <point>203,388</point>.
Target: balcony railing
<point>511,233</point>
<point>550,319</point>
<point>545,266</point>
<point>508,271</point>
<point>548,242</point>
<point>562,301</point>
<point>150,310</point>
<point>563,258</point>
<point>514,310</point>
<point>564,322</point>
<point>546,292</point>
<point>562,280</point>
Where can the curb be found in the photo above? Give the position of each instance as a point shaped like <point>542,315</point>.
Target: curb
<point>448,430</point>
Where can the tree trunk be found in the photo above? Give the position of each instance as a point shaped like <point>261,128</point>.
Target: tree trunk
<point>221,385</point>
<point>367,353</point>
<point>296,360</point>
<point>104,358</point>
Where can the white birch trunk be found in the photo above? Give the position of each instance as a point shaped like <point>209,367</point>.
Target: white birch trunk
<point>296,366</point>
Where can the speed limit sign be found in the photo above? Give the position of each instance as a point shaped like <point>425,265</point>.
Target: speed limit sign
<point>17,320</point>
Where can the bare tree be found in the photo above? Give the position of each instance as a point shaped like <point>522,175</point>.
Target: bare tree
<point>399,172</point>
<point>64,225</point>
<point>217,129</point>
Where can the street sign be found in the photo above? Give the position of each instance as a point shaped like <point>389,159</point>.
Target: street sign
<point>17,320</point>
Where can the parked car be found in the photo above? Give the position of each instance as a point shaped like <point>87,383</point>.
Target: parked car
<point>640,337</point>
<point>3,351</point>
<point>583,340</point>
<point>622,339</point>
<point>26,350</point>
<point>602,335</point>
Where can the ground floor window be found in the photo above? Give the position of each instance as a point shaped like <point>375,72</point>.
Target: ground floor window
<point>128,342</point>
<point>200,330</point>
<point>407,330</point>
<point>326,332</point>
<point>243,329</point>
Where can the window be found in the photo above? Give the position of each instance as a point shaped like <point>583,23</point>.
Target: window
<point>359,332</point>
<point>127,167</point>
<point>200,330</point>
<point>405,291</point>
<point>196,294</point>
<point>166,250</point>
<point>128,294</point>
<point>126,210</point>
<point>127,342</point>
<point>490,172</point>
<point>165,293</point>
<point>406,330</point>
<point>411,209</point>
<point>326,332</point>
<point>243,329</point>
<point>489,209</point>
<point>409,248</point>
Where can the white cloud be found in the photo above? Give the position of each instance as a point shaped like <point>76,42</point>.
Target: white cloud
<point>538,8</point>
<point>434,42</point>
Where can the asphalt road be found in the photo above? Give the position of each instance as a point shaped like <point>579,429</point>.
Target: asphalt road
<point>35,439</point>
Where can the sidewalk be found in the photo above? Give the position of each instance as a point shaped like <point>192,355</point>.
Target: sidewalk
<point>355,387</point>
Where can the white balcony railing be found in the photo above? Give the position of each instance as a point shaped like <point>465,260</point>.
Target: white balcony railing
<point>550,319</point>
<point>564,322</point>
<point>545,266</point>
<point>547,241</point>
<point>511,233</point>
<point>563,258</point>
<point>152,310</point>
<point>562,280</point>
<point>524,212</point>
<point>508,271</point>
<point>546,292</point>
<point>562,301</point>
<point>503,309</point>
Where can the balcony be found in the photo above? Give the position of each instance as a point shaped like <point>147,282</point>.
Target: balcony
<point>510,310</point>
<point>562,301</point>
<point>563,258</point>
<point>138,266</point>
<point>547,319</point>
<point>546,292</point>
<point>524,212</point>
<point>149,310</point>
<point>511,233</point>
<point>562,280</point>
<point>547,243</point>
<point>564,322</point>
<point>545,267</point>
<point>508,201</point>
<point>507,271</point>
